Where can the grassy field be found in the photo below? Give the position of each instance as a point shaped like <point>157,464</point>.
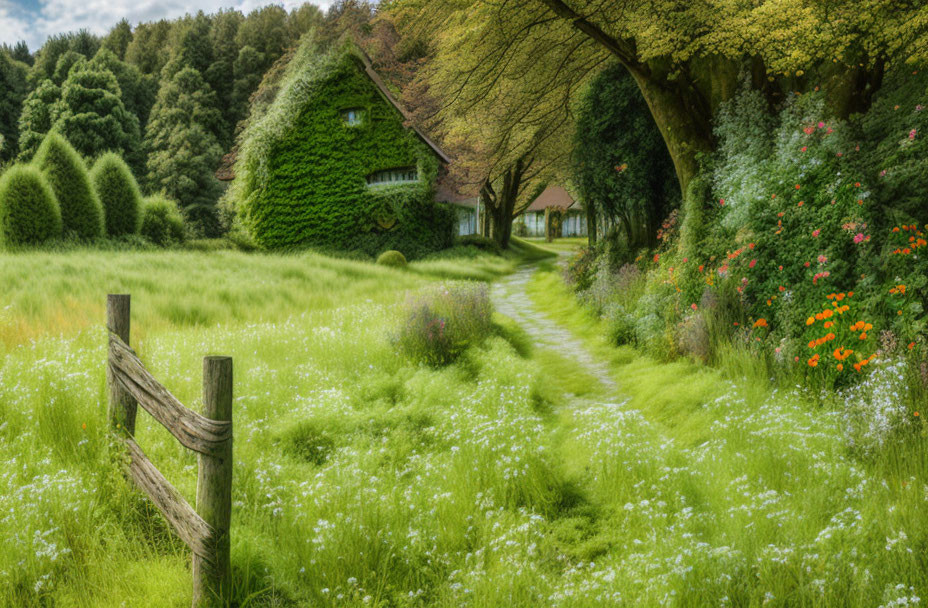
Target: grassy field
<point>343,450</point>
<point>506,479</point>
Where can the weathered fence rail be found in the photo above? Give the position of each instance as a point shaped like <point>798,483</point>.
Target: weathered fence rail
<point>204,529</point>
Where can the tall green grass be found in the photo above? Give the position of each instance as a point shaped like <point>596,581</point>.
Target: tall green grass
<point>713,487</point>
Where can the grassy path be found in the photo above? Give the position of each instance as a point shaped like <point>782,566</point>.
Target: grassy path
<point>696,487</point>
<point>510,297</point>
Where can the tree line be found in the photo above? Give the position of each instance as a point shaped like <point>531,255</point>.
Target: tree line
<point>167,95</point>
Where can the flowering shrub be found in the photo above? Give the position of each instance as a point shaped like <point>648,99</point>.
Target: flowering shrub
<point>441,322</point>
<point>580,269</point>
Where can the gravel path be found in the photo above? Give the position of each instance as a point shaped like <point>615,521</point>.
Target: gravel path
<point>510,298</point>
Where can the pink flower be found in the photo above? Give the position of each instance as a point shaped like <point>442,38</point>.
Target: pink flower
<point>807,264</point>
<point>816,232</point>
<point>859,238</point>
<point>822,259</point>
<point>752,264</point>
<point>821,125</point>
<point>883,173</point>
<point>918,108</point>
<point>840,154</point>
<point>912,134</point>
<point>685,260</point>
<point>693,306</point>
<point>722,201</point>
<point>809,130</point>
<point>780,267</point>
<point>803,149</point>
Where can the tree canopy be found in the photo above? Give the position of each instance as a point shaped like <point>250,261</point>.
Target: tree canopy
<point>686,58</point>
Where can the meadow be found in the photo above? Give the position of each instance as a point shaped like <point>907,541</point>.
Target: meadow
<point>509,478</point>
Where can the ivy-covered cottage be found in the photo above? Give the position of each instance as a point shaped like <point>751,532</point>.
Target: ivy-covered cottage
<point>553,201</point>
<point>334,163</point>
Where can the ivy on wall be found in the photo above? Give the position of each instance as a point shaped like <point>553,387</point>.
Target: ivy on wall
<point>302,171</point>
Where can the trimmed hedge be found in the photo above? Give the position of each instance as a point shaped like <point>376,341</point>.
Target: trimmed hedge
<point>29,213</point>
<point>119,193</point>
<point>66,172</point>
<point>162,223</point>
<point>301,173</point>
<point>392,258</point>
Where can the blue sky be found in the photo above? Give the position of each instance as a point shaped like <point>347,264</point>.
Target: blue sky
<point>35,20</point>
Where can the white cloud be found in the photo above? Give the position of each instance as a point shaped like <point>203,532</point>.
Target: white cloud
<point>99,16</point>
<point>13,25</point>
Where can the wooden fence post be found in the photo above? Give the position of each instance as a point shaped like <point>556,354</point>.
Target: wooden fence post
<point>211,577</point>
<point>122,405</point>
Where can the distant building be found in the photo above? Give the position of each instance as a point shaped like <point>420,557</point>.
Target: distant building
<point>532,221</point>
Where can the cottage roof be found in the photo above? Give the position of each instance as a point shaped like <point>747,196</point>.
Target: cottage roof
<point>446,191</point>
<point>226,170</point>
<point>553,196</point>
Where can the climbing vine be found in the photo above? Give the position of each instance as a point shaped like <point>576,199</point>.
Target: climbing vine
<point>302,173</point>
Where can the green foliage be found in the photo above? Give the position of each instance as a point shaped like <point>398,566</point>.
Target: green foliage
<point>29,213</point>
<point>66,172</point>
<point>301,172</point>
<point>92,116</point>
<point>162,223</point>
<point>65,63</point>
<point>620,162</point>
<point>37,117</point>
<point>137,90</point>
<point>392,258</point>
<point>183,149</point>
<point>118,39</point>
<point>119,193</point>
<point>12,93</point>
<point>898,121</point>
<point>81,42</point>
<point>441,322</point>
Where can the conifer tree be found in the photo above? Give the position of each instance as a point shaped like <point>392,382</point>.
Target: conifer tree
<point>66,172</point>
<point>182,142</point>
<point>12,94</point>
<point>92,116</point>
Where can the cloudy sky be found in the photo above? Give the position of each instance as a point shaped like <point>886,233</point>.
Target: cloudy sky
<point>35,20</point>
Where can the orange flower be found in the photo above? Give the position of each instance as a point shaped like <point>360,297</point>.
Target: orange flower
<point>840,367</point>
<point>812,344</point>
<point>810,320</point>
<point>828,324</point>
<point>911,345</point>
<point>863,336</point>
<point>813,362</point>
<point>760,322</point>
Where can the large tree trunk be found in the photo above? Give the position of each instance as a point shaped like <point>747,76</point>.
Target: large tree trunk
<point>591,225</point>
<point>500,206</point>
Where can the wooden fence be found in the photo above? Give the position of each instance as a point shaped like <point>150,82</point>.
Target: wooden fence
<point>206,529</point>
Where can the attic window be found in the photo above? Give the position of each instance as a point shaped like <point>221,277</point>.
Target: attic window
<point>403,175</point>
<point>353,116</point>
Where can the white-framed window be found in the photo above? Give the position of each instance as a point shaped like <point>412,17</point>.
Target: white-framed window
<point>401,175</point>
<point>353,116</point>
